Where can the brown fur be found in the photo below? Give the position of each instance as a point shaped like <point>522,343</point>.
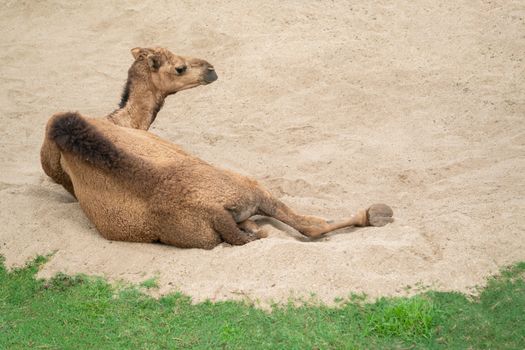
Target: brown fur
<point>135,186</point>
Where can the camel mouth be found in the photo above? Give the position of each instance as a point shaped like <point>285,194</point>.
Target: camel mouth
<point>189,86</point>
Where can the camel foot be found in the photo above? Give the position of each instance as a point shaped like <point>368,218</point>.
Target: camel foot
<point>252,229</point>
<point>379,215</point>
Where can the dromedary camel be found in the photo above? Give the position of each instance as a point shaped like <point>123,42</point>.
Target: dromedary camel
<point>135,186</point>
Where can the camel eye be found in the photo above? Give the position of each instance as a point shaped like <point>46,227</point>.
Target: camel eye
<point>181,69</point>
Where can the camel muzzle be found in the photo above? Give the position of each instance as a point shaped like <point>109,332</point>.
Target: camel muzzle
<point>210,76</point>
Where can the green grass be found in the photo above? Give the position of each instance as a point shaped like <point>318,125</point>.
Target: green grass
<point>150,283</point>
<point>81,312</point>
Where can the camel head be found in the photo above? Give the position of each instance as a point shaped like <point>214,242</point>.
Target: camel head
<point>171,73</point>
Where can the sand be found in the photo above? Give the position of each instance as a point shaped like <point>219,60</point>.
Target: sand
<point>331,105</point>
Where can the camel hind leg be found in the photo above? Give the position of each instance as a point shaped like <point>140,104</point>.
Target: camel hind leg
<point>311,226</point>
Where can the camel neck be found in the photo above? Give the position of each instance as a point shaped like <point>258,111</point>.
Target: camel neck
<point>139,105</point>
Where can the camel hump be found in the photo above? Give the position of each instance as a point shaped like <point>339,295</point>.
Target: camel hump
<point>74,134</point>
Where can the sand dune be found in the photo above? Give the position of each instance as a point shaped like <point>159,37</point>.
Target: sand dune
<point>332,106</point>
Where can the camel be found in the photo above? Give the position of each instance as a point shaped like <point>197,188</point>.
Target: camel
<point>155,74</point>
<point>134,186</point>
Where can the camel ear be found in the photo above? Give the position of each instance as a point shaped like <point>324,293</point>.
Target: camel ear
<point>136,52</point>
<point>154,62</point>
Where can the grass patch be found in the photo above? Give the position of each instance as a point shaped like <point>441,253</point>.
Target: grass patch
<point>150,283</point>
<point>408,319</point>
<point>86,312</point>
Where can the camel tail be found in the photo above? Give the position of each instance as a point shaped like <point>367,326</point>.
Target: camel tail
<point>73,134</point>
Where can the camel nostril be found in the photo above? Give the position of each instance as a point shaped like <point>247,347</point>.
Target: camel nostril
<point>210,68</point>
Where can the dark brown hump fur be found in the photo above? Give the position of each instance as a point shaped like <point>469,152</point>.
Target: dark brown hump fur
<point>73,134</point>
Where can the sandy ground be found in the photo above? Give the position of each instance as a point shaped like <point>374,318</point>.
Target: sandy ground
<point>332,106</point>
